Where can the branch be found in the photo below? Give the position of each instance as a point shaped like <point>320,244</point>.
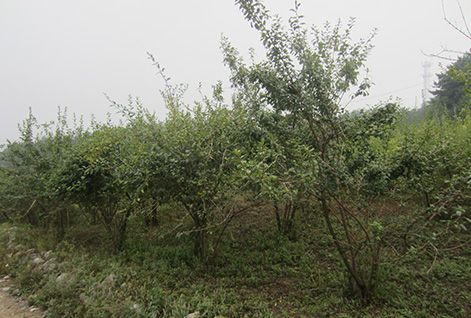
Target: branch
<point>439,55</point>
<point>463,17</point>
<point>453,25</point>
<point>6,216</point>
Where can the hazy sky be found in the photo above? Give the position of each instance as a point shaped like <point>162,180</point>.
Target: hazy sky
<point>68,53</point>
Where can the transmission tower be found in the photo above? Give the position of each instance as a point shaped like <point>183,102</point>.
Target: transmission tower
<point>427,76</point>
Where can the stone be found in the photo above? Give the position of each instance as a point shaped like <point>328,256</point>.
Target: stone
<point>50,265</point>
<point>136,307</point>
<point>12,246</point>
<point>37,261</point>
<point>18,254</point>
<point>47,254</point>
<point>31,251</point>
<point>83,298</point>
<point>108,282</point>
<point>62,278</point>
<point>31,254</point>
<point>195,314</point>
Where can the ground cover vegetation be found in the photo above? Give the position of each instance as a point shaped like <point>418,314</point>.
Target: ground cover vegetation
<point>277,203</point>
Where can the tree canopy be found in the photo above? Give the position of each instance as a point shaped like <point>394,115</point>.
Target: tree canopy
<point>453,87</point>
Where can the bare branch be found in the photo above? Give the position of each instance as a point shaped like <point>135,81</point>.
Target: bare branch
<point>453,25</point>
<point>463,17</point>
<point>440,55</point>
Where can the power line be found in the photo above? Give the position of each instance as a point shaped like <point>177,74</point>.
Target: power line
<point>389,92</point>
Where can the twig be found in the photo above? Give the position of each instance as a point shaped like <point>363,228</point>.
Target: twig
<point>6,216</point>
<point>29,209</point>
<point>463,17</point>
<point>454,26</point>
<point>434,258</point>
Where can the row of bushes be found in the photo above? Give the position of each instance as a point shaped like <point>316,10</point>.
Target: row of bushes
<point>217,162</point>
<point>284,140</point>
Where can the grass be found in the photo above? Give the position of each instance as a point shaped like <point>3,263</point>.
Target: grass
<point>257,274</point>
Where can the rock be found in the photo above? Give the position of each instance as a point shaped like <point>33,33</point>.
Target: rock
<point>136,307</point>
<point>108,282</point>
<point>196,314</point>
<point>83,298</point>
<point>31,253</point>
<point>49,265</point>
<point>62,278</point>
<point>47,254</point>
<point>15,247</point>
<point>11,237</point>
<point>5,289</point>
<point>18,254</point>
<point>37,261</point>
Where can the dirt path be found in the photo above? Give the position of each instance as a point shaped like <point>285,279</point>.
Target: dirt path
<point>10,307</point>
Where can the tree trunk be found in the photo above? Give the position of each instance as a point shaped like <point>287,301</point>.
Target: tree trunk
<point>61,224</point>
<point>200,244</point>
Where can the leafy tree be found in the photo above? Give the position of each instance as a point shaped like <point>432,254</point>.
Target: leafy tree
<point>305,76</point>
<point>368,134</point>
<point>145,133</point>
<point>100,176</point>
<point>30,167</point>
<point>197,164</point>
<point>432,161</point>
<point>453,87</point>
<point>281,166</point>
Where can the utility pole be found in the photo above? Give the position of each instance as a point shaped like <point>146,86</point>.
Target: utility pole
<point>427,75</point>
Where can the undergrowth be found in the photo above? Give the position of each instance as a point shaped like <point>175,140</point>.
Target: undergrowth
<point>258,274</point>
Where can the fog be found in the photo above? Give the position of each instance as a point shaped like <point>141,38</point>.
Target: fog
<point>68,53</point>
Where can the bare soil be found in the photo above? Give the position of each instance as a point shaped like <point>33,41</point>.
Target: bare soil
<point>11,307</point>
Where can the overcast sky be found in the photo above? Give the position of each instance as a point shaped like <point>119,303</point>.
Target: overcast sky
<point>68,53</point>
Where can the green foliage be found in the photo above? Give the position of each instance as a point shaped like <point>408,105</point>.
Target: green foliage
<point>352,194</point>
<point>197,163</point>
<point>433,160</point>
<point>453,91</point>
<point>280,169</point>
<point>30,169</point>
<point>369,156</point>
<point>258,274</point>
<point>99,176</point>
<point>304,78</point>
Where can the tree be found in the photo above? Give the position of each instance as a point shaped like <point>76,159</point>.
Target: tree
<point>453,87</point>
<point>281,167</point>
<point>30,168</point>
<point>305,76</point>
<point>197,164</point>
<point>100,176</point>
